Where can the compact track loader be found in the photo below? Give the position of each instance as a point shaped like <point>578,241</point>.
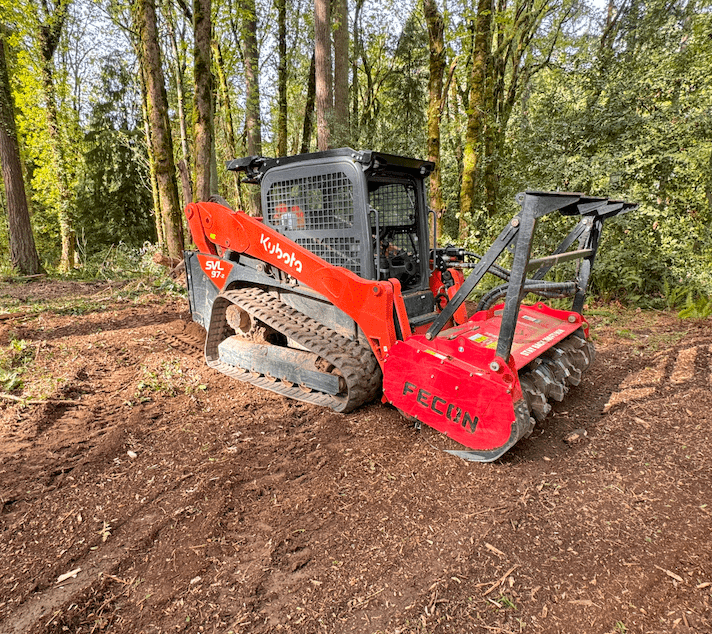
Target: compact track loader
<point>339,291</point>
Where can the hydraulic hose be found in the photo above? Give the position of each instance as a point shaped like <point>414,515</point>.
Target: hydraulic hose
<point>545,289</point>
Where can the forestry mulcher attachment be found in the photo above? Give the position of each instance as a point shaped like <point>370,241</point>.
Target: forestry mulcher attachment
<point>338,292</point>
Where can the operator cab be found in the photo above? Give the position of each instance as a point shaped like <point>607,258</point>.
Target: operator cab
<point>362,210</point>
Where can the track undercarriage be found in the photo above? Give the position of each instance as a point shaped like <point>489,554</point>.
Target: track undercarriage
<point>258,339</point>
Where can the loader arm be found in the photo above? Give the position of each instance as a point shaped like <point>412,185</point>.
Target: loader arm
<point>373,305</point>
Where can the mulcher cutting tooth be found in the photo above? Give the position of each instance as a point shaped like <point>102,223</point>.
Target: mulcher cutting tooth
<point>536,400</point>
<point>560,371</point>
<point>545,380</point>
<point>576,353</point>
<point>586,348</point>
<point>565,359</point>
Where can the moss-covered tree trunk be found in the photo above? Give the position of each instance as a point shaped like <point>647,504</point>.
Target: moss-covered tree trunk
<point>476,115</point>
<point>50,24</point>
<point>282,77</point>
<point>309,106</point>
<point>322,56</point>
<point>341,74</point>
<point>23,253</point>
<point>158,219</point>
<point>161,138</point>
<point>179,74</point>
<point>436,64</point>
<point>203,113</point>
<point>226,105</point>
<point>354,132</point>
<point>253,125</point>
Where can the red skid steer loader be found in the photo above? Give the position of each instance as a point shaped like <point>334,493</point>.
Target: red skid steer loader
<point>338,292</point>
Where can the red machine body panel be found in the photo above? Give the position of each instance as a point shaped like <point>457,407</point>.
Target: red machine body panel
<point>216,269</point>
<point>539,327</point>
<point>441,292</point>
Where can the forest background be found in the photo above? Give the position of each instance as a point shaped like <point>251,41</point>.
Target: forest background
<point>121,111</point>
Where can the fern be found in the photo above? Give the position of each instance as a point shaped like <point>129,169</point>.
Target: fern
<point>696,307</point>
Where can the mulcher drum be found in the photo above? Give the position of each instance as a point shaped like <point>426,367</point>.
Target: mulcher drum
<point>452,384</point>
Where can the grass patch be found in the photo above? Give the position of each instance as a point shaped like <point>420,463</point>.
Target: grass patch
<point>170,379</point>
<point>14,360</point>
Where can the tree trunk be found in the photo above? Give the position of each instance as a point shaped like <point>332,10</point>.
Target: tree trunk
<point>341,74</point>
<point>282,77</point>
<point>322,55</point>
<point>436,28</point>
<point>309,106</point>
<point>50,30</point>
<point>23,253</point>
<point>475,113</point>
<point>227,102</point>
<point>355,131</point>
<point>180,90</point>
<point>203,110</point>
<point>158,219</point>
<point>161,139</point>
<point>253,126</point>
<point>227,109</point>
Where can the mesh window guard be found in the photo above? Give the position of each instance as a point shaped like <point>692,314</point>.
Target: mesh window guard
<point>395,203</point>
<point>317,212</point>
<point>312,203</point>
<point>337,251</point>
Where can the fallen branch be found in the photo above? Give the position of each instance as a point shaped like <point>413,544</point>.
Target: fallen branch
<point>364,601</point>
<point>6,316</point>
<point>501,579</point>
<point>22,278</point>
<point>670,574</point>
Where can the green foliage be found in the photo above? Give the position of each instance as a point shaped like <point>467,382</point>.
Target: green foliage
<point>696,307</point>
<point>114,199</point>
<point>121,261</point>
<point>402,123</point>
<point>505,602</point>
<point>631,121</point>
<point>169,379</point>
<point>13,362</point>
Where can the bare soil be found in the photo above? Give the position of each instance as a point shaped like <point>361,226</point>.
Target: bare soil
<point>182,501</point>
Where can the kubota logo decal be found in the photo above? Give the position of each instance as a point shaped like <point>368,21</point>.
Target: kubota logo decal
<point>441,407</point>
<point>276,249</point>
<point>217,270</point>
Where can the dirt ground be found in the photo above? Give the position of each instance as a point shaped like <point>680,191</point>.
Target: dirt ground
<point>182,501</point>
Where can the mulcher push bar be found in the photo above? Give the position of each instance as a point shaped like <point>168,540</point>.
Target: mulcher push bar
<point>520,230</point>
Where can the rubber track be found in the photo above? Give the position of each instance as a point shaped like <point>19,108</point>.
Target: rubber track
<point>354,360</point>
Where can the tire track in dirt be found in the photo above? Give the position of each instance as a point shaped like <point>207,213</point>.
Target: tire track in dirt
<point>669,369</point>
<point>187,344</point>
<point>135,535</point>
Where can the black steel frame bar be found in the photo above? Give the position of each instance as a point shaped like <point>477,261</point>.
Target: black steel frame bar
<point>488,259</point>
<point>573,235</point>
<point>515,290</point>
<point>589,241</point>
